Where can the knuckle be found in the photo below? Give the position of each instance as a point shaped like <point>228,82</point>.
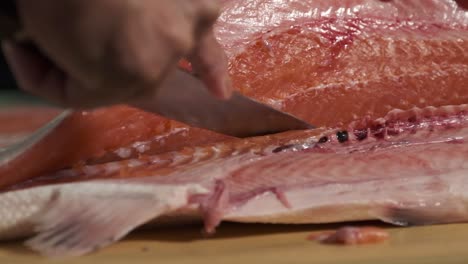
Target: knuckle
<point>207,14</point>
<point>179,38</point>
<point>133,62</point>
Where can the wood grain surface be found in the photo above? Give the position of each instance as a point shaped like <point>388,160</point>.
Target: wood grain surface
<point>243,243</point>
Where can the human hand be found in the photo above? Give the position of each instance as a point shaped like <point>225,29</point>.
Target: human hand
<point>94,53</point>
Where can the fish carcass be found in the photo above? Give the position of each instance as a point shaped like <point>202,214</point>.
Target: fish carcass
<point>386,81</point>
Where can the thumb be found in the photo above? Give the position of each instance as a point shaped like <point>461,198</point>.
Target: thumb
<point>210,63</point>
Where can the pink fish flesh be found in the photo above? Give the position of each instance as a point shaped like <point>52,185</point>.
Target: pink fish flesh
<point>406,167</point>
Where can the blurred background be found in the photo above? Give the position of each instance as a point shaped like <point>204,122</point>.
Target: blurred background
<point>6,79</point>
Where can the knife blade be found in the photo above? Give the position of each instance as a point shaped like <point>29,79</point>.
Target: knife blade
<point>184,98</point>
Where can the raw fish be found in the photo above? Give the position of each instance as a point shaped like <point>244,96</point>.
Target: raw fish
<point>386,81</point>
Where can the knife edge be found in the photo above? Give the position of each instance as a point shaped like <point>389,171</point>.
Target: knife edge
<point>183,97</point>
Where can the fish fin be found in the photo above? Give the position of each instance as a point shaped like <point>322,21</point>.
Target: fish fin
<point>79,223</point>
<point>215,207</point>
<point>281,196</point>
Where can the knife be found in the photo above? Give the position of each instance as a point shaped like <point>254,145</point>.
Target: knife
<point>184,98</point>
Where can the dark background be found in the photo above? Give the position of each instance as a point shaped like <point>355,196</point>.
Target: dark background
<point>6,79</point>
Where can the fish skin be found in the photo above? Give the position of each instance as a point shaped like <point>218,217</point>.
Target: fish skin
<point>94,215</point>
<point>423,151</point>
<point>241,21</point>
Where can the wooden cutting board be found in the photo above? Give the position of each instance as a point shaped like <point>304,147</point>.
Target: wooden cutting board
<point>237,243</point>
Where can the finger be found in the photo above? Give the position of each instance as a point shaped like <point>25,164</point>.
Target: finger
<point>39,76</point>
<point>33,72</point>
<point>208,13</point>
<point>210,63</point>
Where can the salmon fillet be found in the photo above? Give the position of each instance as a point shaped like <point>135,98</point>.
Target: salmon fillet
<point>343,60</point>
<point>385,80</point>
<point>329,63</point>
<point>102,135</point>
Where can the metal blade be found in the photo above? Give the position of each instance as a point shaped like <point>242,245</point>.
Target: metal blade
<point>184,98</point>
